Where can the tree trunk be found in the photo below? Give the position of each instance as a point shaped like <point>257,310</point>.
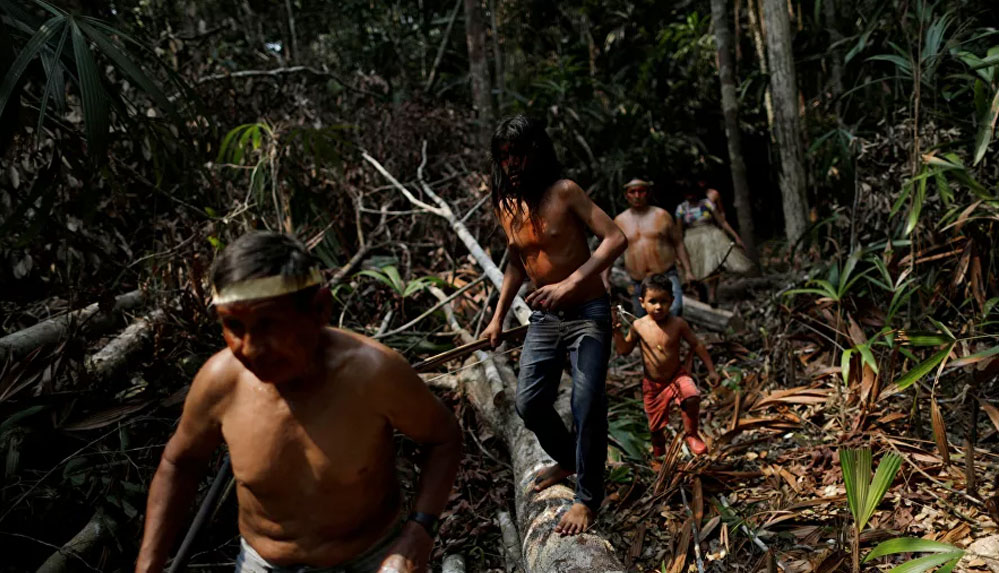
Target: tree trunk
<point>761,54</point>
<point>478,69</point>
<point>498,72</point>
<point>730,109</point>
<point>835,54</point>
<point>785,94</point>
<point>96,530</point>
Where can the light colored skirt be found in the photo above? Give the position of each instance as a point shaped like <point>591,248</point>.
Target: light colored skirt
<point>711,250</point>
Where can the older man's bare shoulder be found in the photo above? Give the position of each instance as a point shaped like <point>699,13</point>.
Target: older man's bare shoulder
<point>362,357</point>
<point>217,379</point>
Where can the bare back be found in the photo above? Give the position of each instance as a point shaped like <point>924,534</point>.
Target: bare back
<point>652,236</point>
<point>555,248</point>
<point>660,345</point>
<point>314,460</point>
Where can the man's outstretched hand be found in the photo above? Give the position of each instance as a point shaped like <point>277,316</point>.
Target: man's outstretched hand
<point>493,333</point>
<point>410,552</point>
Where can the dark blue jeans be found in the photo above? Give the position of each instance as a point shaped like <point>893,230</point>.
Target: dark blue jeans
<point>676,309</point>
<point>584,333</point>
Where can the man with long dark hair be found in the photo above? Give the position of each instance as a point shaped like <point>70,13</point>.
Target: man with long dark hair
<point>545,218</point>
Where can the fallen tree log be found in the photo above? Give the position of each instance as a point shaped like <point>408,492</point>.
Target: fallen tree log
<point>17,344</point>
<point>113,358</point>
<point>489,384</point>
<point>95,531</point>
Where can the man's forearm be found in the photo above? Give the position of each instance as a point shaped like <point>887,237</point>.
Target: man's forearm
<point>170,494</point>
<point>437,475</point>
<point>603,257</point>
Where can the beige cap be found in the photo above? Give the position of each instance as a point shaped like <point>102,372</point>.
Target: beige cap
<point>638,183</point>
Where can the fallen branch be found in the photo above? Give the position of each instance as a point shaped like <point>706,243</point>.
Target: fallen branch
<point>277,72</point>
<point>18,344</point>
<point>113,358</point>
<point>453,564</point>
<point>511,541</point>
<point>99,527</point>
<point>520,308</point>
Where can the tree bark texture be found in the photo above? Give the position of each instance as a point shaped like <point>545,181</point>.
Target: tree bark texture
<point>730,109</point>
<point>488,384</point>
<point>16,345</point>
<point>113,358</point>
<point>755,29</point>
<point>784,87</point>
<point>96,530</point>
<point>478,69</point>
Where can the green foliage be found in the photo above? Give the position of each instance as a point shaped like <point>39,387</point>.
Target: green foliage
<point>944,554</point>
<point>838,282</point>
<point>389,276</point>
<point>47,42</point>
<point>628,428</point>
<point>863,493</point>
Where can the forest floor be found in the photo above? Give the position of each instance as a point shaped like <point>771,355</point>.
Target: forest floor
<point>770,485</point>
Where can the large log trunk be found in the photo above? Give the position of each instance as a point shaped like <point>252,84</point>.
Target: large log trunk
<point>489,386</point>
<point>20,343</point>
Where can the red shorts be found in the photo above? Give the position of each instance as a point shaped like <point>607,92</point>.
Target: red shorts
<point>659,396</point>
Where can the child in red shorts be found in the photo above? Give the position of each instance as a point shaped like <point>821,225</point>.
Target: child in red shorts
<point>666,381</point>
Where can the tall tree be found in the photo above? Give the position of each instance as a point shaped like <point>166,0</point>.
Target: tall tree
<point>784,87</point>
<point>730,109</point>
<point>478,68</point>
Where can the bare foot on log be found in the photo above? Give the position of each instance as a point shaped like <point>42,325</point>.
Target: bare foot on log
<point>575,521</point>
<point>550,476</point>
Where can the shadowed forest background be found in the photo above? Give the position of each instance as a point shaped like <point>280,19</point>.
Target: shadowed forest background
<point>852,143</point>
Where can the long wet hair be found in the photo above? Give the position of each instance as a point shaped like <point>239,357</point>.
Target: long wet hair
<point>526,137</point>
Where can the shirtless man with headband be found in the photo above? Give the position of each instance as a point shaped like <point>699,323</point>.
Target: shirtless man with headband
<point>655,245</point>
<point>308,413</point>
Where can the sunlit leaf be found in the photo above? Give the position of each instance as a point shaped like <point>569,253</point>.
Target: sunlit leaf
<point>923,368</point>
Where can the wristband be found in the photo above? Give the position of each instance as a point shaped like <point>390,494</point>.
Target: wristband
<point>429,522</point>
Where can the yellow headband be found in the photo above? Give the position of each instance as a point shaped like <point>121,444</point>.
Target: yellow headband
<point>266,287</point>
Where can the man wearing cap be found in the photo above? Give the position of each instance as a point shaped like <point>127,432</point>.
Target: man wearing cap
<point>308,413</point>
<point>654,245</point>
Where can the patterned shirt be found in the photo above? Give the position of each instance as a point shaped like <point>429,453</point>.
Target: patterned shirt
<point>698,214</point>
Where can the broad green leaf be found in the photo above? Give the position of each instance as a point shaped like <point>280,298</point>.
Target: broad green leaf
<point>28,53</point>
<point>868,357</point>
<point>844,367</point>
<point>986,128</point>
<point>903,64</point>
<point>923,368</point>
<point>377,275</point>
<point>917,206</point>
<point>95,104</point>
<point>925,563</point>
<point>126,64</point>
<point>909,545</point>
<point>928,339</point>
<point>53,83</point>
<point>949,566</point>
<point>883,478</point>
